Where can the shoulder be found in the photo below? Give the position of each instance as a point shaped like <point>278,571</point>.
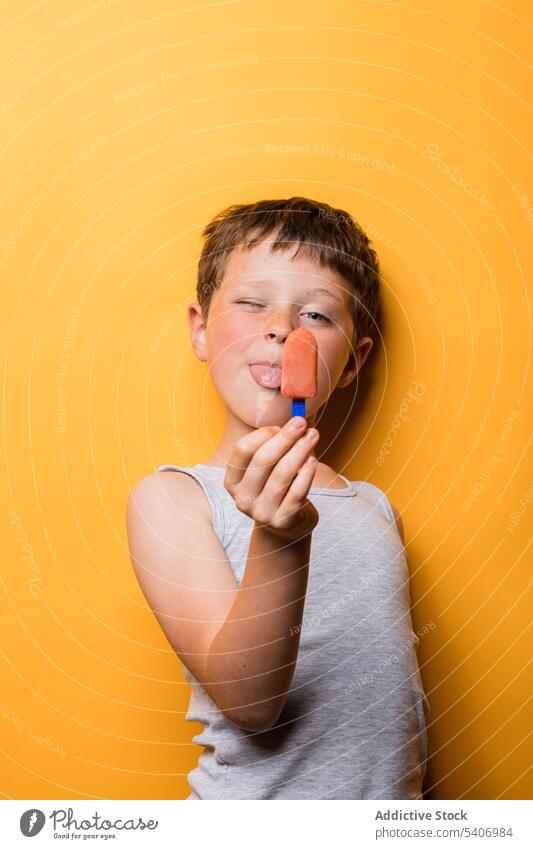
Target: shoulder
<point>168,489</point>
<point>398,520</point>
<point>325,476</point>
<point>380,497</point>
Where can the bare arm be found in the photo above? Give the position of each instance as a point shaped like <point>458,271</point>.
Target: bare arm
<point>180,564</point>
<point>236,641</point>
<point>253,656</point>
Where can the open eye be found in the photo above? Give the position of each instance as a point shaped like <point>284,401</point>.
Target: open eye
<point>321,317</point>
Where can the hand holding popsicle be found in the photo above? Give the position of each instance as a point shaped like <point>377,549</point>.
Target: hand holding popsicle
<point>269,478</point>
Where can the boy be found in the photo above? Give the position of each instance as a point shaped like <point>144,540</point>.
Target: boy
<point>230,553</point>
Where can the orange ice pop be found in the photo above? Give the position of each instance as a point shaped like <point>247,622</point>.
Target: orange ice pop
<point>298,376</point>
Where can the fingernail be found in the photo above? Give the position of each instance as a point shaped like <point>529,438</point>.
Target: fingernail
<point>297,423</point>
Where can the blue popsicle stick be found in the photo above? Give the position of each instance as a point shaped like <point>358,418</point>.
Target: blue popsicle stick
<point>298,407</point>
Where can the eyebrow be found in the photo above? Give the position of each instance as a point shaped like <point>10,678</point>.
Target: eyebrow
<point>321,291</point>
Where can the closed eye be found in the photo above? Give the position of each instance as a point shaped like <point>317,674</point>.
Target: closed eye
<point>255,304</point>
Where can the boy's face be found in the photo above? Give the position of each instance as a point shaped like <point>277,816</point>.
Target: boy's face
<point>284,294</point>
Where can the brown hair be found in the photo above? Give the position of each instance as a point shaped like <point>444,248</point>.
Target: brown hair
<point>327,236</point>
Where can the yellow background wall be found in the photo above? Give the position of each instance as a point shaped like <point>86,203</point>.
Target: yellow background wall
<point>126,126</point>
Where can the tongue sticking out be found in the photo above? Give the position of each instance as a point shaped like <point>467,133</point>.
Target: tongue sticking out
<point>267,376</point>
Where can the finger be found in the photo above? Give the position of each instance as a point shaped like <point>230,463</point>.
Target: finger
<point>285,471</point>
<point>270,453</point>
<point>299,489</point>
<point>243,451</point>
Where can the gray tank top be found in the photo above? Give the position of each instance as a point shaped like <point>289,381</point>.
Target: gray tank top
<point>353,725</point>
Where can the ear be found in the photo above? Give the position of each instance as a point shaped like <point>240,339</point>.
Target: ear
<point>356,360</point>
<point>197,326</point>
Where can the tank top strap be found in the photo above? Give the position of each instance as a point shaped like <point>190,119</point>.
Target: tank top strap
<point>208,485</point>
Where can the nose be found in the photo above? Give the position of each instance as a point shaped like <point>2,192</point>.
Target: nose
<point>278,325</point>
<point>278,335</point>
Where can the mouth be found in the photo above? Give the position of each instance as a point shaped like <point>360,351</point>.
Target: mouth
<point>267,375</point>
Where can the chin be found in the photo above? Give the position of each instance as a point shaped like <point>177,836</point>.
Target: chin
<point>262,409</point>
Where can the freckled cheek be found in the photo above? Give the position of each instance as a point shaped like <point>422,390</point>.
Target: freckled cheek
<point>327,372</point>
<point>229,343</point>
<point>323,378</point>
<point>242,332</point>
